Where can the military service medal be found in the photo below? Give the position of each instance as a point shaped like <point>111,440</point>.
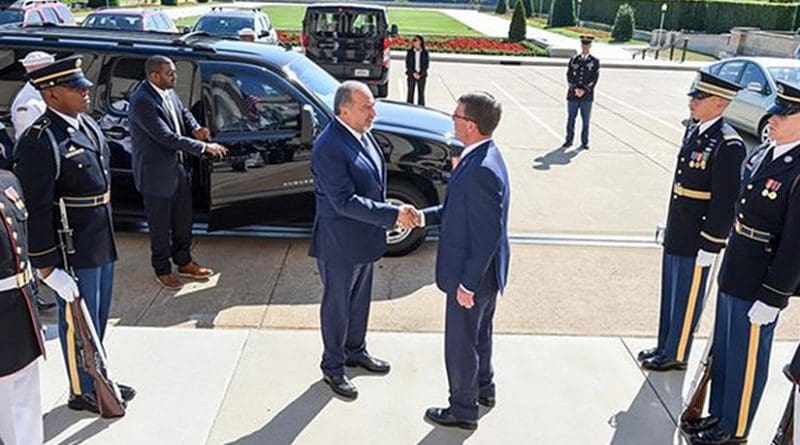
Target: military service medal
<point>12,194</point>
<point>771,187</point>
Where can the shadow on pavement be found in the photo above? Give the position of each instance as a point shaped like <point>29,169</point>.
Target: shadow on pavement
<point>653,412</point>
<point>559,156</point>
<point>291,420</point>
<point>440,435</point>
<point>57,420</point>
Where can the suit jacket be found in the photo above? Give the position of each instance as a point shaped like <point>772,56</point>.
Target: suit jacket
<point>351,216</point>
<point>582,74</point>
<point>155,142</point>
<point>473,237</point>
<point>82,171</point>
<point>424,62</point>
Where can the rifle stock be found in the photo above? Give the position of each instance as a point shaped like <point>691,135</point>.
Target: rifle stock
<point>785,433</point>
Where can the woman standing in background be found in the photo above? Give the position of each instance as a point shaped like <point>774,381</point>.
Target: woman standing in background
<point>417,62</point>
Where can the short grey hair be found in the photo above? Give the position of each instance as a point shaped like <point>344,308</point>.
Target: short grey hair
<point>483,109</point>
<point>344,94</point>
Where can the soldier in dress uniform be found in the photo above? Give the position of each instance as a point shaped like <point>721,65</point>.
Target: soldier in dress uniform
<point>28,105</point>
<point>759,273</point>
<point>582,74</point>
<point>21,342</point>
<point>64,155</point>
<point>700,216</point>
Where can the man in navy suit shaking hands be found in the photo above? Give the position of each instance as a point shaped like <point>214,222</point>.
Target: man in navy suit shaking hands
<point>472,260</point>
<point>349,232</point>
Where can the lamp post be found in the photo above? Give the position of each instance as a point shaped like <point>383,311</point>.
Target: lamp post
<point>579,12</point>
<point>661,26</point>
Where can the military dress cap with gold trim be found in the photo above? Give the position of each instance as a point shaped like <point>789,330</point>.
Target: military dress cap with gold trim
<point>65,72</point>
<point>707,84</point>
<point>787,99</point>
<point>586,40</point>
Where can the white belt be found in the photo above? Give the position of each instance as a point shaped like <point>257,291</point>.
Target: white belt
<point>17,281</point>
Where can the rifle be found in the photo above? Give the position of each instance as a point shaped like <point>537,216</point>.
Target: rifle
<point>785,433</point>
<point>698,390</point>
<point>93,356</point>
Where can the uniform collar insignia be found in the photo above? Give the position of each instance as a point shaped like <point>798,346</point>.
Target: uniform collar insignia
<point>788,159</point>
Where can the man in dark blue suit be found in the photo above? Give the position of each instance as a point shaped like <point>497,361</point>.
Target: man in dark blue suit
<point>349,232</point>
<point>162,130</point>
<point>472,260</point>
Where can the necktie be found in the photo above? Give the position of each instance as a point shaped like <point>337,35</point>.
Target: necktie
<point>372,152</point>
<point>173,114</point>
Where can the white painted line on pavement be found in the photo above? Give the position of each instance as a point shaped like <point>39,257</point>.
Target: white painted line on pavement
<point>670,125</point>
<point>547,128</point>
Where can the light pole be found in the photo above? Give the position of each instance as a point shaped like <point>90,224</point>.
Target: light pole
<point>579,12</point>
<point>661,26</point>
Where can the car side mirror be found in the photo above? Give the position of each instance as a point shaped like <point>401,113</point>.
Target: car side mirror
<point>307,124</point>
<point>393,31</point>
<point>187,29</point>
<point>755,87</point>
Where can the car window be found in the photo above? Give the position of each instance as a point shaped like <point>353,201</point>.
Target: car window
<point>362,24</point>
<point>714,69</point>
<point>753,74</point>
<point>731,70</point>
<point>50,15</point>
<point>64,13</point>
<point>150,23</point>
<point>789,74</point>
<point>164,22</point>
<point>322,23</point>
<point>317,80</point>
<point>33,18</point>
<point>116,22</point>
<point>251,100</point>
<point>267,24</point>
<point>223,26</point>
<point>128,73</point>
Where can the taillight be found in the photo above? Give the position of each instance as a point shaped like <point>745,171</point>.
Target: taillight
<point>387,44</point>
<point>304,40</point>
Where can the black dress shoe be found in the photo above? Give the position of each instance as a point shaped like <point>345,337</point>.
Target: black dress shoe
<point>661,363</point>
<point>488,401</point>
<point>716,436</point>
<point>127,392</point>
<point>342,386</point>
<point>85,402</point>
<point>583,147</point>
<point>701,424</point>
<point>443,416</point>
<point>645,354</point>
<point>370,363</point>
<point>566,145</point>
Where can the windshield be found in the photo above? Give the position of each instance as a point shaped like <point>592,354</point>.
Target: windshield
<point>317,80</point>
<point>786,74</point>
<point>223,26</point>
<point>120,22</point>
<point>10,16</point>
<point>345,23</point>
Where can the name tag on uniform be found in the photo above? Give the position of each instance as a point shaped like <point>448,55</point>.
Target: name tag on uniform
<point>73,151</point>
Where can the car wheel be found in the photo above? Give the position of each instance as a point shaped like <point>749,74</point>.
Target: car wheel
<point>383,90</point>
<point>403,241</point>
<point>763,131</point>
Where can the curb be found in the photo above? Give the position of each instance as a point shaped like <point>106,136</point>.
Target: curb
<point>553,61</point>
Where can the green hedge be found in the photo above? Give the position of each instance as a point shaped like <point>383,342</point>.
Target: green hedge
<point>714,16</point>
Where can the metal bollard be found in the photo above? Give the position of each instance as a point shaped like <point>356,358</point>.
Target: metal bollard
<point>685,46</point>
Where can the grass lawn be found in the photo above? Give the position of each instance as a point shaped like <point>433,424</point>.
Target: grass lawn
<point>409,21</point>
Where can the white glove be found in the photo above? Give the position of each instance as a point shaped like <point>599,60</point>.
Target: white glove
<point>63,285</point>
<point>704,259</point>
<point>761,313</point>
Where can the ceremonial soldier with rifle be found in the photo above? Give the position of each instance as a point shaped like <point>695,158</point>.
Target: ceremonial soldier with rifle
<point>21,341</point>
<point>700,216</point>
<point>63,158</point>
<point>759,273</point>
<point>785,432</point>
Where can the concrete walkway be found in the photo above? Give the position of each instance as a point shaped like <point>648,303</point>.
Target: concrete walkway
<point>200,386</point>
<point>495,26</point>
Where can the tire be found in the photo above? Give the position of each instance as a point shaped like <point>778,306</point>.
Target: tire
<point>383,90</point>
<point>763,136</point>
<point>403,242</point>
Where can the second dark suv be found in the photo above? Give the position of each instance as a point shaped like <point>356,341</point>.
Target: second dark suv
<point>351,42</point>
<point>264,102</point>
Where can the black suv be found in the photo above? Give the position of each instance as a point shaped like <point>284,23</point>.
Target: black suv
<point>228,22</point>
<point>351,42</point>
<point>264,102</point>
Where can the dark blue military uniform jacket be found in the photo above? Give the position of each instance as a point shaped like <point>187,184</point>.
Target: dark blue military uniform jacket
<point>704,189</point>
<point>81,176</point>
<point>763,257</point>
<point>582,74</point>
<point>20,335</point>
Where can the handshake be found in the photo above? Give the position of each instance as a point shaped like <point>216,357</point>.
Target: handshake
<point>408,217</point>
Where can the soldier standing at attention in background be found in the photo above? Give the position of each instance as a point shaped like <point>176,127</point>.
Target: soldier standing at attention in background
<point>582,74</point>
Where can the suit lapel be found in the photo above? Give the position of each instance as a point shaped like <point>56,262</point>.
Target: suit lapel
<point>356,146</point>
<point>161,106</point>
<point>775,167</point>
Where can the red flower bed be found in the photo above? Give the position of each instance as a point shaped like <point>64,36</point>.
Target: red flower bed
<point>447,44</point>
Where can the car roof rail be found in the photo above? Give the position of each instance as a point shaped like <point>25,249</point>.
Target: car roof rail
<point>183,39</point>
<point>127,39</point>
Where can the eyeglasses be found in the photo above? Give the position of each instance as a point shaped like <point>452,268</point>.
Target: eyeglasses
<point>459,116</point>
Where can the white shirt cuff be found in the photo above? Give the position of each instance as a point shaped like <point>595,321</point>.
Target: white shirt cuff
<point>464,289</point>
<point>421,218</point>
